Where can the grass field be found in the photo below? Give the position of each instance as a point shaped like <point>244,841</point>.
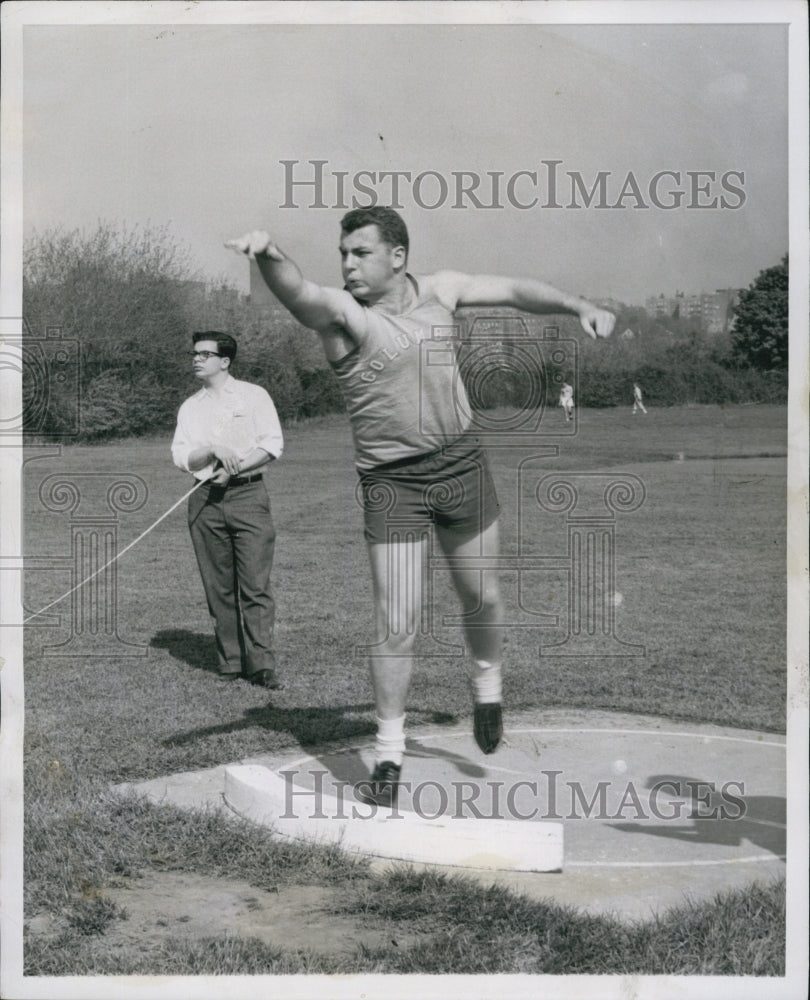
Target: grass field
<point>700,566</point>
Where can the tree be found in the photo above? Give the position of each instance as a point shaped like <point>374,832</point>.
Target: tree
<point>759,333</point>
<point>121,295</point>
<point>118,291</point>
<point>127,301</point>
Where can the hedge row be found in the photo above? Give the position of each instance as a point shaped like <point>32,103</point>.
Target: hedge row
<point>119,402</point>
<point>108,319</point>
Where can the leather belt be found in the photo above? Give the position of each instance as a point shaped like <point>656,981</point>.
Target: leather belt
<point>236,481</point>
<point>244,480</point>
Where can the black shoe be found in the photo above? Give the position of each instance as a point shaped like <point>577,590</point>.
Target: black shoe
<point>488,726</point>
<point>382,787</point>
<point>228,677</point>
<point>265,679</point>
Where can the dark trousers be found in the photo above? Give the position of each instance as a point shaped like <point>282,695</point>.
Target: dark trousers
<point>234,538</point>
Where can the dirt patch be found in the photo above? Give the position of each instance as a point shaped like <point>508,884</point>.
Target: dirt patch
<point>183,905</point>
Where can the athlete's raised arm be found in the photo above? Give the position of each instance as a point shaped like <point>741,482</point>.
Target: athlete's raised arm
<point>457,289</point>
<point>314,306</point>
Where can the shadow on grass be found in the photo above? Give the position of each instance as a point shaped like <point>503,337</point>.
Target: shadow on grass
<point>316,726</point>
<point>194,648</point>
<point>309,726</point>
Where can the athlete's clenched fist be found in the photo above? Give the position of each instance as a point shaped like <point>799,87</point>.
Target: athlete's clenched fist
<point>256,244</point>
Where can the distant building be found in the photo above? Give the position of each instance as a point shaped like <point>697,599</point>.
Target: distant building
<point>661,306</point>
<point>711,311</point>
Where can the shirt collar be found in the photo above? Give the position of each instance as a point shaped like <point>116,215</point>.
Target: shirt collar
<point>229,385</point>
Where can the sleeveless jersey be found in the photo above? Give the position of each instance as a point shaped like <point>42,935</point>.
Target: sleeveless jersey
<point>402,386</point>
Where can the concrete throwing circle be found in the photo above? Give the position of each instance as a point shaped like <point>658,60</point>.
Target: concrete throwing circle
<point>552,798</point>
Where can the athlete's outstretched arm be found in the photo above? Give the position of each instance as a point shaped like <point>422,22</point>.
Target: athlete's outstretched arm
<point>522,293</point>
<point>312,305</point>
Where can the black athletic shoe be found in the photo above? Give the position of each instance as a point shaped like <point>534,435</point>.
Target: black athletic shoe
<point>382,787</point>
<point>265,679</point>
<point>488,726</point>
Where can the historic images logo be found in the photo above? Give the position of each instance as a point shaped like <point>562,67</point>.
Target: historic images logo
<point>313,184</point>
<point>547,797</point>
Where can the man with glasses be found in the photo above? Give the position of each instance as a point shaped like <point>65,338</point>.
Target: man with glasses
<point>226,436</point>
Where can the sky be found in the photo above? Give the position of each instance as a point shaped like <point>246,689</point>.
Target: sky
<point>188,126</point>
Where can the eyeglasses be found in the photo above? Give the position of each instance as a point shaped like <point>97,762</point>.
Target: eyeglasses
<point>204,355</point>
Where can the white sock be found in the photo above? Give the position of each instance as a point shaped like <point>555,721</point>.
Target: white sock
<point>486,682</point>
<point>390,743</point>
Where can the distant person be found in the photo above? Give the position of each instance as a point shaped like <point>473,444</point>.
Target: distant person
<point>227,434</point>
<point>637,400</point>
<point>567,401</point>
<point>414,446</point>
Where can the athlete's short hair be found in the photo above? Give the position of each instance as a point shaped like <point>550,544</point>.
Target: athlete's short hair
<point>390,224</point>
<point>226,345</point>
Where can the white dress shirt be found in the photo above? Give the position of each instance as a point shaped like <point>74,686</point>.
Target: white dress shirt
<point>240,415</point>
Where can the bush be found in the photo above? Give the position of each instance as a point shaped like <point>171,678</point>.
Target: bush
<point>689,372</point>
<point>118,406</point>
<point>321,393</point>
<point>132,301</point>
<point>280,381</point>
<point>120,293</point>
